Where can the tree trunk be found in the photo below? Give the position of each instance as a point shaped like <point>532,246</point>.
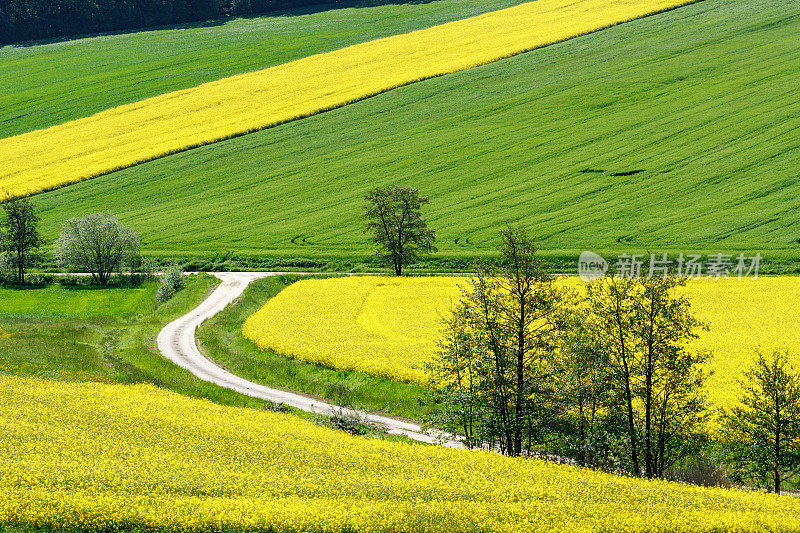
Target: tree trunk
<point>777,463</point>
<point>648,450</point>
<point>518,422</point>
<point>582,434</point>
<point>21,267</point>
<point>631,425</point>
<point>629,402</point>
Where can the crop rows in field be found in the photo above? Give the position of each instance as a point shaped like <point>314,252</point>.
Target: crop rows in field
<point>391,327</point>
<point>45,84</point>
<point>169,123</point>
<point>101,457</point>
<point>673,132</point>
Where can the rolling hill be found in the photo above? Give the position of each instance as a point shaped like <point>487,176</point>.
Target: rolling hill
<point>678,131</point>
<point>127,135</point>
<point>44,84</point>
<point>96,457</point>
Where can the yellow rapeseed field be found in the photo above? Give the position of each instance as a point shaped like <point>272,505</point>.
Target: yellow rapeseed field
<point>89,456</point>
<point>391,326</point>
<point>129,134</point>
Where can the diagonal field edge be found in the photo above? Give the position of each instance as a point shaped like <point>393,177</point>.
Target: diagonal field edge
<point>156,127</point>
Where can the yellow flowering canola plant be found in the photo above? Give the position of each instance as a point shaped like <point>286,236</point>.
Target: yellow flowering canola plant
<point>126,135</point>
<point>391,326</point>
<point>90,456</point>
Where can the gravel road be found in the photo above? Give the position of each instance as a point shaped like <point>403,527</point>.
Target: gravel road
<point>177,343</point>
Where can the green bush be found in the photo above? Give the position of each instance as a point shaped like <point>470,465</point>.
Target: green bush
<point>171,282</point>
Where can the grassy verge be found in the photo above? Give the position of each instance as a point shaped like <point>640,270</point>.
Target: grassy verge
<point>222,340</point>
<point>92,334</point>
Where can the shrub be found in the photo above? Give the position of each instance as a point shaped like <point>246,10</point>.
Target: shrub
<point>171,282</point>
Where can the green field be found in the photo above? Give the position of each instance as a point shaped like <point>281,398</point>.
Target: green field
<point>677,132</point>
<point>48,84</point>
<point>55,301</point>
<point>94,334</point>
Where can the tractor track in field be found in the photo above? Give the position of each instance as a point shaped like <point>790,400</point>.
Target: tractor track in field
<point>177,342</point>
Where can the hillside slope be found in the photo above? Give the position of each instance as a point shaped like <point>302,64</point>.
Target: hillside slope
<point>180,120</point>
<point>46,84</point>
<point>674,132</point>
<point>92,457</point>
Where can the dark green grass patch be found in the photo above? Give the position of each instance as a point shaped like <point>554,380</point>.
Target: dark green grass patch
<point>678,132</point>
<point>47,84</point>
<point>222,340</point>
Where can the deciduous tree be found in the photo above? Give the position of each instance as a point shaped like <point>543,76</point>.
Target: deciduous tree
<point>97,244</point>
<point>394,217</point>
<point>763,430</point>
<point>19,234</point>
<point>644,329</point>
<point>491,375</point>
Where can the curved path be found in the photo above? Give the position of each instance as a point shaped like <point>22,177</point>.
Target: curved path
<point>177,343</point>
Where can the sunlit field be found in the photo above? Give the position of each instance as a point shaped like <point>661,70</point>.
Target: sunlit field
<point>391,326</point>
<point>101,457</point>
<point>47,83</point>
<point>691,116</point>
<point>165,124</point>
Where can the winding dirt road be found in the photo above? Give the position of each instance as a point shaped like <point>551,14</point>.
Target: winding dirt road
<point>177,343</point>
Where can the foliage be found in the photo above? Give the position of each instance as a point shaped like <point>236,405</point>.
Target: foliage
<point>588,430</point>
<point>36,19</point>
<point>514,362</point>
<point>642,332</point>
<point>22,20</point>
<point>391,326</point>
<point>97,244</point>
<point>515,153</point>
<point>19,235</point>
<point>491,377</point>
<point>130,134</point>
<point>394,217</point>
<point>170,283</point>
<point>762,432</point>
<point>99,457</point>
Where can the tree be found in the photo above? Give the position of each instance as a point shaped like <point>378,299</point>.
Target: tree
<point>586,395</point>
<point>491,374</point>
<point>393,215</point>
<point>98,244</point>
<point>644,329</point>
<point>763,431</point>
<point>20,236</point>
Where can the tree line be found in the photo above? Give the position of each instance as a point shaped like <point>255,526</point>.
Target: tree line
<point>96,244</point>
<point>24,20</point>
<point>604,378</point>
